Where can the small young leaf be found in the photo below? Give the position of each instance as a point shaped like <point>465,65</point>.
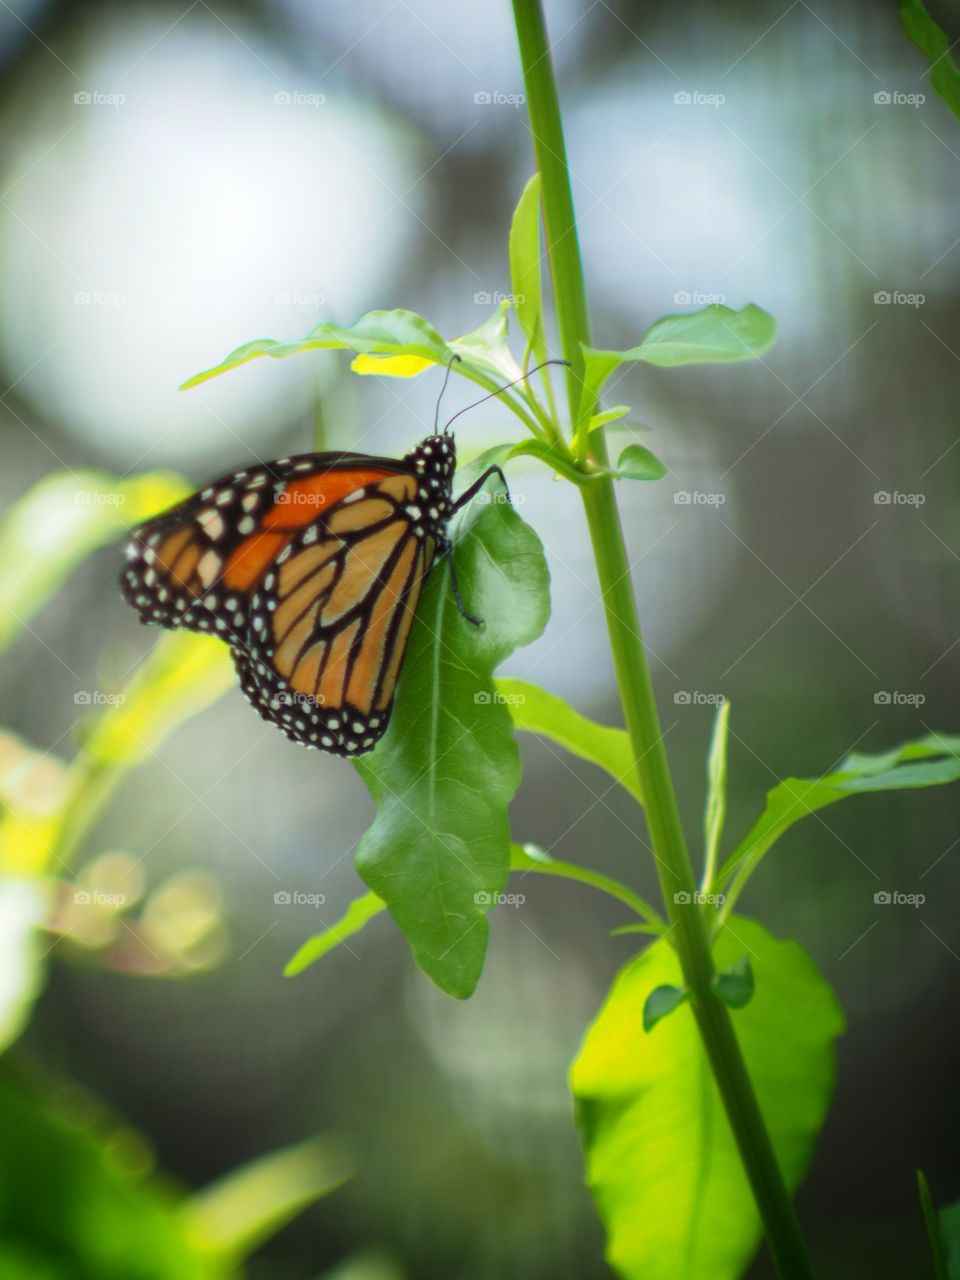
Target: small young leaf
<point>638,463</point>
<point>557,460</point>
<point>716,806</point>
<point>486,348</point>
<point>536,711</point>
<point>662,1163</point>
<point>661,1001</point>
<point>390,333</point>
<point>735,985</point>
<point>359,913</point>
<point>525,264</point>
<point>444,775</point>
<point>704,337</point>
<point>936,44</point>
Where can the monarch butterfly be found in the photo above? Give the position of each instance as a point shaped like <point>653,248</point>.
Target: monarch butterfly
<point>310,568</point>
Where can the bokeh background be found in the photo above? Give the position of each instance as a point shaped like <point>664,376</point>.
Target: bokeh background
<point>176,179</point>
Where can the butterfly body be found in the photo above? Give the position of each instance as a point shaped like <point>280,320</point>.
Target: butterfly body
<point>310,568</point>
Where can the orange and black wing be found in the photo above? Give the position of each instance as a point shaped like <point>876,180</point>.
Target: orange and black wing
<point>329,623</point>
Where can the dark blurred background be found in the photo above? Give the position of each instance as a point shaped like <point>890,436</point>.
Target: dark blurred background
<point>238,171</point>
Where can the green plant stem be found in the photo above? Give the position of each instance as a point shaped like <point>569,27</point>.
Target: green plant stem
<point>636,691</point>
<point>523,862</point>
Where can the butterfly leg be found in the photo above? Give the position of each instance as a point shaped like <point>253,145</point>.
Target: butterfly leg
<point>446,549</point>
<point>470,493</point>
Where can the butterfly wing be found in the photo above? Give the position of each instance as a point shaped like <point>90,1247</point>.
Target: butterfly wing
<point>330,622</point>
<point>311,568</point>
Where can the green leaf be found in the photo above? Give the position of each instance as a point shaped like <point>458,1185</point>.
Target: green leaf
<point>557,459</point>
<point>239,1212</point>
<point>661,1001</point>
<point>661,1160</point>
<point>59,522</point>
<point>714,334</point>
<point>393,333</point>
<point>638,463</point>
<point>359,913</point>
<point>934,1234</point>
<point>716,807</point>
<point>936,44</point>
<point>536,711</point>
<point>445,773</point>
<point>735,986</point>
<point>949,1219</point>
<point>794,798</point>
<point>525,266</point>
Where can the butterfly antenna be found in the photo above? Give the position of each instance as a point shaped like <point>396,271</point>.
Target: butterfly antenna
<point>436,416</point>
<point>500,390</point>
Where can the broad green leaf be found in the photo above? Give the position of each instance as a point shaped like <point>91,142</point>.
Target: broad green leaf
<point>660,1002</point>
<point>714,334</point>
<point>390,333</point>
<point>22,912</point>
<point>182,675</point>
<point>59,522</point>
<point>661,1160</point>
<point>359,913</point>
<point>607,416</point>
<point>936,44</point>
<point>233,1217</point>
<point>949,1219</point>
<point>525,265</point>
<point>638,463</point>
<point>536,711</point>
<point>934,1234</point>
<point>715,810</point>
<point>735,986</point>
<point>930,761</point>
<point>446,771</point>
